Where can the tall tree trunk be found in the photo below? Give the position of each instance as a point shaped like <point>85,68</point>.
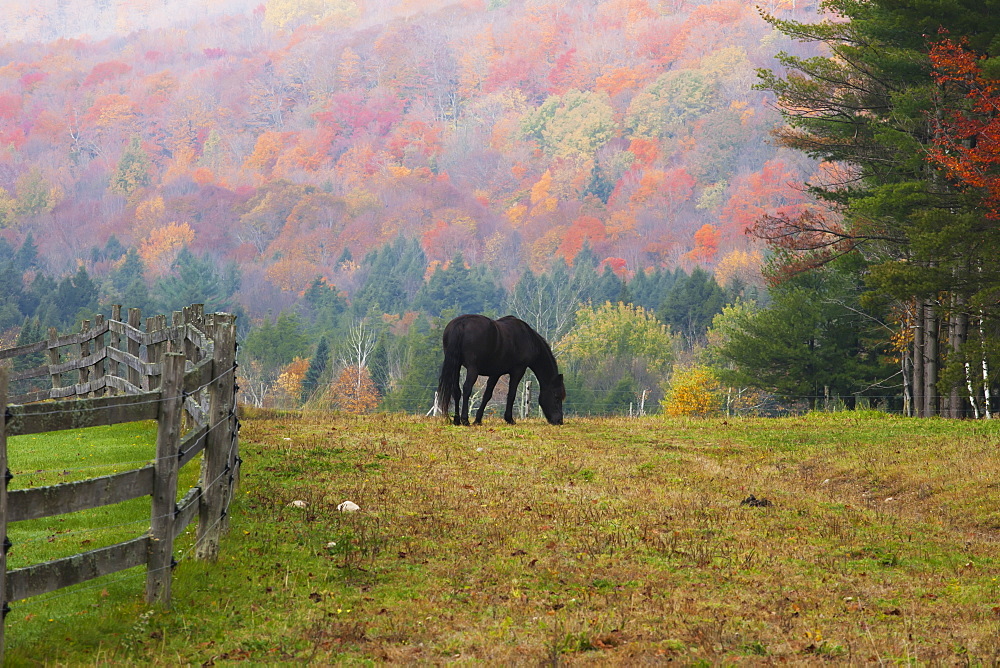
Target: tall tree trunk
<point>959,332</point>
<point>931,357</point>
<point>918,358</point>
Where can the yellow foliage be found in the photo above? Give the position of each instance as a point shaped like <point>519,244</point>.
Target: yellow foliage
<point>693,391</point>
<point>741,264</point>
<point>540,191</point>
<point>293,273</point>
<point>289,382</point>
<point>516,214</point>
<point>162,246</point>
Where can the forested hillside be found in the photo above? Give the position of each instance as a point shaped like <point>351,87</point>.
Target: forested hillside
<point>289,137</point>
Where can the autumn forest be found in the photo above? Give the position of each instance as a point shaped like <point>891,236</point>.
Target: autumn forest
<point>345,174</point>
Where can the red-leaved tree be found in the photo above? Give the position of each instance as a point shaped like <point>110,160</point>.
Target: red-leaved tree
<point>967,140</point>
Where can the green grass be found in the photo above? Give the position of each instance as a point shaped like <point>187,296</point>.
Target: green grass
<point>607,540</point>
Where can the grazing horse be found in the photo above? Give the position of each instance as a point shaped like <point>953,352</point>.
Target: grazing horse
<point>494,348</point>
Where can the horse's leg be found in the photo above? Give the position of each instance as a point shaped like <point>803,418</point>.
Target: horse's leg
<point>471,376</point>
<point>515,379</point>
<point>456,391</point>
<point>487,395</point>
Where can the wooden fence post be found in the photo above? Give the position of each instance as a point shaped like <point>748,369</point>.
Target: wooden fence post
<point>53,354</point>
<point>114,368</point>
<point>218,464</point>
<point>4,471</point>
<point>132,346</point>
<point>161,544</point>
<point>99,367</point>
<point>84,352</point>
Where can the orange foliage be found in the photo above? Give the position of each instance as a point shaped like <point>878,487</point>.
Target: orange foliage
<point>584,228</point>
<point>354,391</point>
<point>706,244</point>
<point>645,150</point>
<point>203,176</point>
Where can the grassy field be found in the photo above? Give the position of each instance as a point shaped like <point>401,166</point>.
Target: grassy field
<point>608,541</point>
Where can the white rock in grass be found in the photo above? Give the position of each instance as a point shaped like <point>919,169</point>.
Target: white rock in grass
<point>298,503</point>
<point>332,544</point>
<point>348,507</point>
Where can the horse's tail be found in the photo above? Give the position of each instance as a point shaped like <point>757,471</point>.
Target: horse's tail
<point>449,370</point>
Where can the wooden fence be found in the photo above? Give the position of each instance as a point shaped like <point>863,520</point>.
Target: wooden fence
<point>182,375</point>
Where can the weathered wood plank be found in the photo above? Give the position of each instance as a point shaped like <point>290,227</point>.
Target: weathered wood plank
<point>195,410</point>
<point>4,507</point>
<point>187,510</point>
<point>122,385</point>
<point>217,471</point>
<point>78,337</point>
<point>36,372</point>
<point>26,349</point>
<point>70,497</point>
<point>42,578</point>
<point>79,413</point>
<point>164,501</point>
<point>133,362</point>
<point>79,363</point>
<point>200,340</point>
<point>30,397</point>
<point>78,389</point>
<point>192,444</point>
<point>198,376</point>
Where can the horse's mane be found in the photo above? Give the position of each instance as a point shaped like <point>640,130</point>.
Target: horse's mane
<point>545,355</point>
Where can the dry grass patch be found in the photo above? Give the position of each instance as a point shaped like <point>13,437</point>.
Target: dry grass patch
<point>603,541</point>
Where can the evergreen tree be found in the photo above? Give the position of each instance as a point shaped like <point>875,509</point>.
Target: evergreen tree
<point>27,255</point>
<point>194,280</point>
<point>394,274</point>
<point>814,340</point>
<point>692,303</point>
<point>12,288</point>
<point>276,344</point>
<point>609,287</point>
<point>871,103</point>
<point>74,298</point>
<point>460,288</point>
<point>31,332</point>
<point>414,390</point>
<point>317,367</point>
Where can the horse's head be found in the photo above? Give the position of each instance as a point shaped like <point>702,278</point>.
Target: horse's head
<point>550,398</point>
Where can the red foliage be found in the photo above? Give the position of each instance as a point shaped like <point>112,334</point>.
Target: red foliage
<point>617,264</point>
<point>584,228</point>
<point>108,71</point>
<point>29,79</point>
<point>967,144</point>
<point>762,193</point>
<point>10,106</point>
<point>706,244</point>
<point>644,149</point>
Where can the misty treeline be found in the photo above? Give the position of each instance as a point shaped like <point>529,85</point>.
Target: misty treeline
<point>617,337</point>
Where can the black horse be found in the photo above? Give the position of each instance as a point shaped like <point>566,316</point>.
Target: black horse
<point>494,348</point>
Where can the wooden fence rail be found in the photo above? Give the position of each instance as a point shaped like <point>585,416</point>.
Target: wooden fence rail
<point>112,372</point>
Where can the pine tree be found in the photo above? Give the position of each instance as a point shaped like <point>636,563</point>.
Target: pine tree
<point>317,366</point>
